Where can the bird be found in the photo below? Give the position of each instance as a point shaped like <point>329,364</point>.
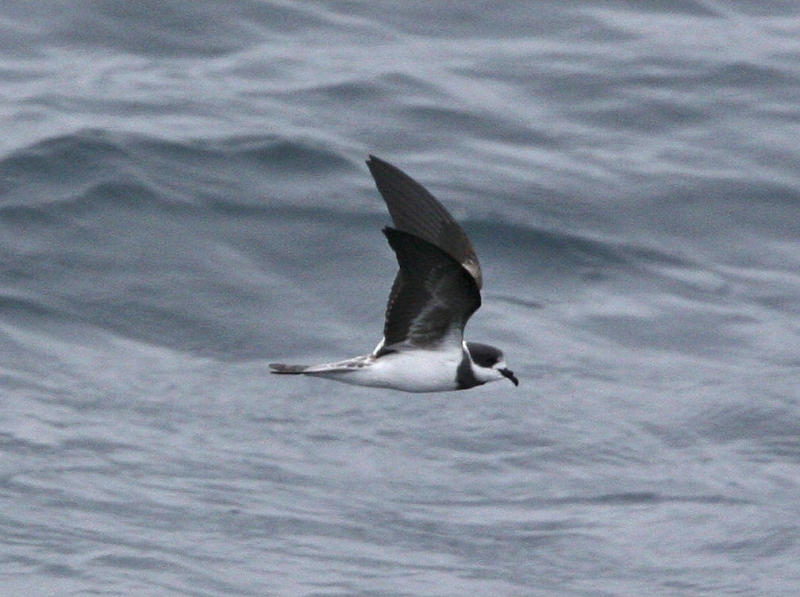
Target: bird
<point>435,292</point>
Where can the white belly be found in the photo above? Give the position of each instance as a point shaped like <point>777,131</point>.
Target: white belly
<point>411,371</point>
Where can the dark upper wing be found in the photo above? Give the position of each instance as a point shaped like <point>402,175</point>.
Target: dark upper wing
<point>416,211</point>
<point>433,295</point>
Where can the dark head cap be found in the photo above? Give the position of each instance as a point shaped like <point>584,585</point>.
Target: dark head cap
<point>484,355</point>
<point>487,356</point>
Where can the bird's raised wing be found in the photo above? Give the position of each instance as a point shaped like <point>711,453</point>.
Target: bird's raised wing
<point>415,211</point>
<point>433,296</point>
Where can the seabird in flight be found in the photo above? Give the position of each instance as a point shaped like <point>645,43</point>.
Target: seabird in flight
<point>433,296</point>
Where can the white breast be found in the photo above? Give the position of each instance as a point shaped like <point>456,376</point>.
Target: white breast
<point>413,370</point>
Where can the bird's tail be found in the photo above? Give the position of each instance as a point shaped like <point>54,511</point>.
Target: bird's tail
<point>287,369</point>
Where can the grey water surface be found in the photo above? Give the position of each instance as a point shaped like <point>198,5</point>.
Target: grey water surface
<point>183,199</point>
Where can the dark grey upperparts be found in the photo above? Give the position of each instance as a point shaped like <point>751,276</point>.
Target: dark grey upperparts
<point>415,211</point>
<point>432,295</point>
<point>465,377</point>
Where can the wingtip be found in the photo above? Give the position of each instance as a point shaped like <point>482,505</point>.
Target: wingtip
<point>376,165</point>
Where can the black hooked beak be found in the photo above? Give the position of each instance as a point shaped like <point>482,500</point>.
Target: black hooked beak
<point>510,375</point>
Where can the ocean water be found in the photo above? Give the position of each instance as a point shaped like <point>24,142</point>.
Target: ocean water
<point>183,199</point>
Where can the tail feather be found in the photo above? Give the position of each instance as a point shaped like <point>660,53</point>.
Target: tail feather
<point>287,369</point>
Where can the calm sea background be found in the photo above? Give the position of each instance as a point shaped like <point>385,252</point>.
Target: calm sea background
<point>183,199</point>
